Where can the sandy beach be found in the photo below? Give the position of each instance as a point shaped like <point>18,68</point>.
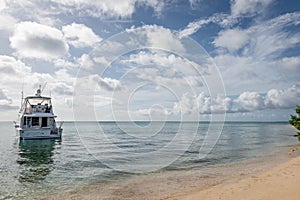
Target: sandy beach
<point>281,182</point>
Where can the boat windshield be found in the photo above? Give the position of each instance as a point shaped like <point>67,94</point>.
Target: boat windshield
<point>39,101</point>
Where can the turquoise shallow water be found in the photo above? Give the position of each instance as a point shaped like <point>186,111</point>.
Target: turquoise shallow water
<point>92,152</point>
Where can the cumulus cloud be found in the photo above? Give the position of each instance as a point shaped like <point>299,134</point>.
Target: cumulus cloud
<point>283,99</point>
<point>247,101</point>
<point>286,98</point>
<point>85,62</point>
<point>34,40</point>
<point>251,101</point>
<point>232,39</point>
<point>80,35</point>
<point>14,73</point>
<point>155,112</point>
<point>202,104</point>
<point>109,84</point>
<point>10,66</point>
<point>158,37</point>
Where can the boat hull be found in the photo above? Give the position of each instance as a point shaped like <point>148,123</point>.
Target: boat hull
<point>41,133</point>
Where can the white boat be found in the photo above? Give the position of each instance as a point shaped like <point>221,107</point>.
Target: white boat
<point>36,119</point>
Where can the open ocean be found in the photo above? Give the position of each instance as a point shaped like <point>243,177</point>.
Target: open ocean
<point>91,152</point>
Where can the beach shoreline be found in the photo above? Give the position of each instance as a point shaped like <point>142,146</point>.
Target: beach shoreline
<point>279,183</point>
<point>230,181</point>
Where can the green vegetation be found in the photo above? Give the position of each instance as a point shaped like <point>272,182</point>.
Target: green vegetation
<point>295,121</point>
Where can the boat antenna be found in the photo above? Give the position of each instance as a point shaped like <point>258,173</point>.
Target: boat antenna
<point>22,93</point>
<point>43,87</point>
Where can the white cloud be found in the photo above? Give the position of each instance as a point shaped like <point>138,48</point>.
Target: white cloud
<point>283,99</point>
<point>5,101</point>
<point>7,22</point>
<point>202,104</point>
<point>193,27</point>
<point>194,2</point>
<point>232,39</point>
<point>161,37</point>
<point>80,35</point>
<point>286,98</point>
<point>246,7</point>
<point>290,63</point>
<point>3,96</point>
<point>2,5</point>
<point>251,101</point>
<point>221,105</point>
<point>158,37</point>
<point>239,8</point>
<point>156,112</point>
<point>187,105</point>
<point>108,8</point>
<point>14,73</point>
<point>273,37</point>
<point>85,62</point>
<point>247,101</point>
<point>106,83</point>
<point>262,39</point>
<point>64,63</point>
<point>109,84</point>
<point>34,40</point>
<point>172,64</point>
<point>101,60</point>
<point>253,56</point>
<point>62,89</point>
<point>10,66</point>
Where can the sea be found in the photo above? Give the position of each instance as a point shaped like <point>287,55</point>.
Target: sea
<point>96,152</point>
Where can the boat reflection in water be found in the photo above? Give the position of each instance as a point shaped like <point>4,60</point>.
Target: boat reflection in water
<point>35,159</point>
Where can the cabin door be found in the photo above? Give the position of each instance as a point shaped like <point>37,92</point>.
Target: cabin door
<point>44,121</point>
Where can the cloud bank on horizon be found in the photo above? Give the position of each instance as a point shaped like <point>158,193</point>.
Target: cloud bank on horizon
<point>132,58</point>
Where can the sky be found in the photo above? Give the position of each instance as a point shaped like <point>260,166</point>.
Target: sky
<point>152,60</point>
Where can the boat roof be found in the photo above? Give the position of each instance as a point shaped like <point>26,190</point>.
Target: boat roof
<point>37,97</point>
<point>40,115</point>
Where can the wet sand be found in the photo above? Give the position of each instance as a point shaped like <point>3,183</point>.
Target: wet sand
<point>280,183</point>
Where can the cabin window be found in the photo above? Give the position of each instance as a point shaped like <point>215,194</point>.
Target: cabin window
<point>35,121</point>
<point>28,122</point>
<point>24,121</point>
<point>44,121</point>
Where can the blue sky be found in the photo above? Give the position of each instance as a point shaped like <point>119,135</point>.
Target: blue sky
<point>150,59</point>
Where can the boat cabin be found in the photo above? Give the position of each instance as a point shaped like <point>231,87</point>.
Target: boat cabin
<point>36,119</point>
<point>37,112</point>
